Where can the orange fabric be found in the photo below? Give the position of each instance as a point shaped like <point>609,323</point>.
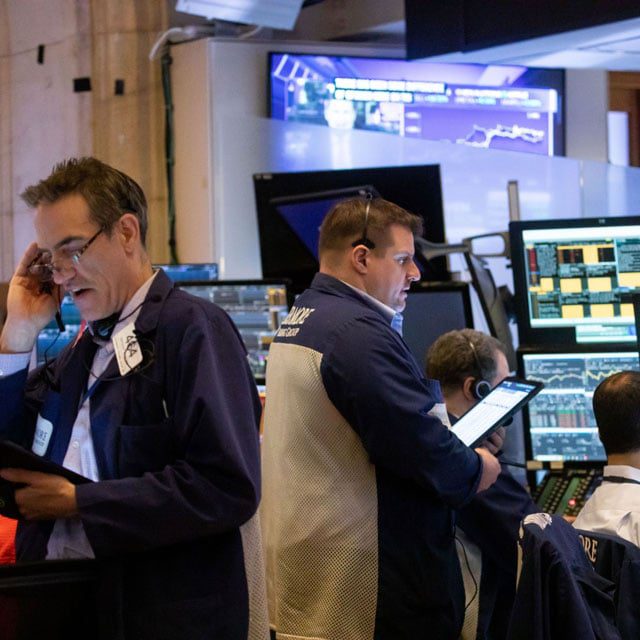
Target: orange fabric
<point>7,540</point>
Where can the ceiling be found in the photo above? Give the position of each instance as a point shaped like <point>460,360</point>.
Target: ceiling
<point>614,46</point>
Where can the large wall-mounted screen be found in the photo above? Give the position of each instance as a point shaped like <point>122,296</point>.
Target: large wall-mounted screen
<point>575,279</point>
<point>487,106</point>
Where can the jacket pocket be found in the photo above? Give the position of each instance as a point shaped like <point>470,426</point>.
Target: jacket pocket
<point>144,448</point>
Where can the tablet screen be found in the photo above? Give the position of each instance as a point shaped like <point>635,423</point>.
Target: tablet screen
<point>494,409</point>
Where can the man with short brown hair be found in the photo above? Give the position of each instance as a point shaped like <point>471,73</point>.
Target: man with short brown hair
<point>360,474</point>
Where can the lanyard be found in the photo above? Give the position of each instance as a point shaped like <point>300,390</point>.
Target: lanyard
<point>89,392</point>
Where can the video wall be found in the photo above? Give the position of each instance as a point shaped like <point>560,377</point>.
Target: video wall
<point>486,106</point>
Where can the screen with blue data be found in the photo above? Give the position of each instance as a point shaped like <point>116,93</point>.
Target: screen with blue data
<point>486,106</point>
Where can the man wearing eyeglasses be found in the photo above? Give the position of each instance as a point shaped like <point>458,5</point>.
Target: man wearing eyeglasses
<point>360,475</point>
<point>154,402</point>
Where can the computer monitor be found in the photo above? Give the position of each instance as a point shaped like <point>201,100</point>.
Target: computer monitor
<point>291,206</point>
<point>257,308</point>
<point>433,308</point>
<point>304,213</point>
<point>574,279</point>
<point>559,423</point>
<point>485,106</point>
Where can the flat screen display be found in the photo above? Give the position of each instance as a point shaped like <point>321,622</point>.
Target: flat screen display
<point>575,279</point>
<point>192,271</point>
<point>494,409</point>
<point>291,207</point>
<point>433,308</point>
<point>486,106</point>
<point>559,423</point>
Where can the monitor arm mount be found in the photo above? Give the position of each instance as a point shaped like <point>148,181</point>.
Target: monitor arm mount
<point>429,250</point>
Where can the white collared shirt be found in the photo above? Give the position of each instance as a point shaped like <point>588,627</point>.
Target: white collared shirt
<point>614,508</point>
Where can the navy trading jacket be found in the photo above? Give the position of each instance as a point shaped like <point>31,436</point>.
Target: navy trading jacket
<point>177,448</point>
<point>360,479</point>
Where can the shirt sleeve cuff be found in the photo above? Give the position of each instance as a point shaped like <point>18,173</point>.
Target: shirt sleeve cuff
<point>11,363</point>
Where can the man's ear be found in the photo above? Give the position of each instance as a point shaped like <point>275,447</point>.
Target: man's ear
<point>467,388</point>
<point>129,227</point>
<point>359,257</point>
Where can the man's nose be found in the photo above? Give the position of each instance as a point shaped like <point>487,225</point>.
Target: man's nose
<point>414,273</point>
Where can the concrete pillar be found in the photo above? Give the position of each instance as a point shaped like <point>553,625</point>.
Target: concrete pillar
<point>128,129</point>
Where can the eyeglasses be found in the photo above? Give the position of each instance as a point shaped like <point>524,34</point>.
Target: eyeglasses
<point>363,240</point>
<point>44,268</point>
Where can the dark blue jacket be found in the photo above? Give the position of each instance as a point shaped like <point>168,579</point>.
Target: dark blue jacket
<point>559,594</point>
<point>359,404</point>
<point>174,489</point>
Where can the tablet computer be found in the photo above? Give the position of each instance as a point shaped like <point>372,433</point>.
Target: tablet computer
<point>495,409</point>
<point>15,456</point>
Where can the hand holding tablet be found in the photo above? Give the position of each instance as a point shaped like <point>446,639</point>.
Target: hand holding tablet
<point>495,409</point>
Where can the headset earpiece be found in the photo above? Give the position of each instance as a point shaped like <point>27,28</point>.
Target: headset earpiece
<point>481,389</point>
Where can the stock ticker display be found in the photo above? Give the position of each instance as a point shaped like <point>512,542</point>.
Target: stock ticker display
<point>562,425</point>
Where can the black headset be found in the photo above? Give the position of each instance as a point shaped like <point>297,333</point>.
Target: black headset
<point>481,387</point>
<point>363,240</point>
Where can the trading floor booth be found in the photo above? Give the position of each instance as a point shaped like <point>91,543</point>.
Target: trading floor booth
<point>575,281</point>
